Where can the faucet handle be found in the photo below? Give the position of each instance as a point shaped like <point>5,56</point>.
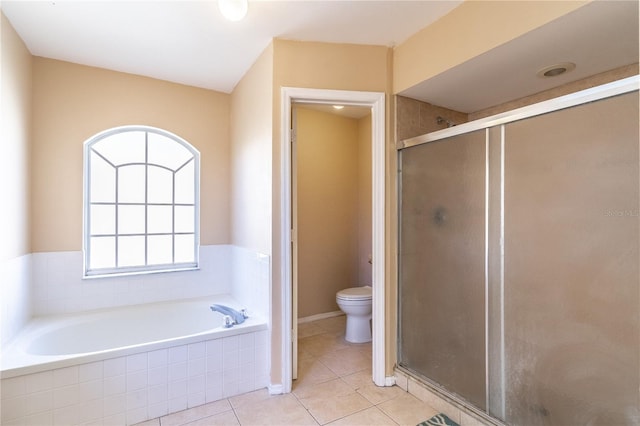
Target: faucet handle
<point>227,321</point>
<point>244,313</point>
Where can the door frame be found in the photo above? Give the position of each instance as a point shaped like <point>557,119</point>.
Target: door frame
<point>375,101</point>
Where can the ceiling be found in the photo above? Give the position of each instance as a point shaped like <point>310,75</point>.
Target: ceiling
<point>189,42</point>
<point>598,37</point>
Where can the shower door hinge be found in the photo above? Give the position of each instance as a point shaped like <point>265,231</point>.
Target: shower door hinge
<point>293,235</point>
<point>293,135</point>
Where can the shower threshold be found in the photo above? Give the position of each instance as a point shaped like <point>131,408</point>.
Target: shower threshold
<point>456,408</point>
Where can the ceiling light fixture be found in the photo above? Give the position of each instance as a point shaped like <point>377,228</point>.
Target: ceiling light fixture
<point>557,69</point>
<point>338,106</point>
<point>233,10</point>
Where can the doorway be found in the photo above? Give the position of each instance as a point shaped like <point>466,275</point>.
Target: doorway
<point>331,210</point>
<point>376,103</point>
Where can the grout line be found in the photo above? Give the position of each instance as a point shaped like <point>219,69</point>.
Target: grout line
<point>234,413</point>
<point>307,410</point>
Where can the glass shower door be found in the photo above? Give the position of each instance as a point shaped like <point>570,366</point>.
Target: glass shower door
<point>442,263</point>
<point>571,226</point>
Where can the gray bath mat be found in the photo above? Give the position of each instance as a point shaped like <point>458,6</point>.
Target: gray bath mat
<point>438,420</point>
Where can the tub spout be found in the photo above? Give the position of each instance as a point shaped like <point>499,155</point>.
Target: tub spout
<point>237,317</point>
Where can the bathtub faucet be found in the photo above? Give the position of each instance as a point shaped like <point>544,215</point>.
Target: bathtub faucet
<point>234,317</point>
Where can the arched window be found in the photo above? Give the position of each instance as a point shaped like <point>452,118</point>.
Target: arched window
<point>141,202</point>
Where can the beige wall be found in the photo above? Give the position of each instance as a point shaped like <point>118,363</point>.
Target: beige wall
<point>251,133</point>
<point>72,102</point>
<point>467,31</point>
<point>328,196</point>
<point>15,143</point>
<point>321,66</point>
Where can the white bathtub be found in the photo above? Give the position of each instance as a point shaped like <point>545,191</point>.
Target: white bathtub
<point>130,364</point>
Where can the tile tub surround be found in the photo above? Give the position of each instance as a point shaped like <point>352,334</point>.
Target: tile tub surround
<point>51,283</point>
<point>251,275</point>
<point>58,341</point>
<point>15,296</point>
<point>137,387</point>
<point>58,286</point>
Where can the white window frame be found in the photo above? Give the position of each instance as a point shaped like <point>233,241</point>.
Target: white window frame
<point>144,269</point>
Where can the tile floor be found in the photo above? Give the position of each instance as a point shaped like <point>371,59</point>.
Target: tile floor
<point>333,387</point>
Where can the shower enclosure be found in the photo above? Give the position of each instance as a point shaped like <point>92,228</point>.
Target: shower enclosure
<point>519,250</point>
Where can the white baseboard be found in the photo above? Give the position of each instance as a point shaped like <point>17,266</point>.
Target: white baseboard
<point>320,316</point>
<point>277,389</point>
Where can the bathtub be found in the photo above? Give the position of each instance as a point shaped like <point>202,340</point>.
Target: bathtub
<point>127,365</point>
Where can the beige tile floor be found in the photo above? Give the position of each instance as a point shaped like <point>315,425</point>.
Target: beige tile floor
<point>333,387</point>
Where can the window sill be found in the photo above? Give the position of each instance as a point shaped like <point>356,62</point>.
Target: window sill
<point>118,274</point>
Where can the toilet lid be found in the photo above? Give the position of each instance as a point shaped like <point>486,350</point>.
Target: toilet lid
<point>355,293</point>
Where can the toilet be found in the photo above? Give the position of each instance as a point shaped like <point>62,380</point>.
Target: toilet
<point>355,302</point>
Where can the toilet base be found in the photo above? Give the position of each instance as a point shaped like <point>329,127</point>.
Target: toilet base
<point>358,329</point>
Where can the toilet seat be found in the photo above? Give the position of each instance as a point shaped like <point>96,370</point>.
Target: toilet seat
<point>355,293</point>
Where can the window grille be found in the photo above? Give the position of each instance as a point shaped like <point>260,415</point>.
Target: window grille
<point>141,187</point>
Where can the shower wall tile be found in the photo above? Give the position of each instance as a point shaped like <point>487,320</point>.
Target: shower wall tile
<point>415,118</point>
<point>15,295</point>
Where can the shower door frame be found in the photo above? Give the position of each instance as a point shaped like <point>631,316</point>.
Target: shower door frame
<point>597,93</point>
<point>615,88</point>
